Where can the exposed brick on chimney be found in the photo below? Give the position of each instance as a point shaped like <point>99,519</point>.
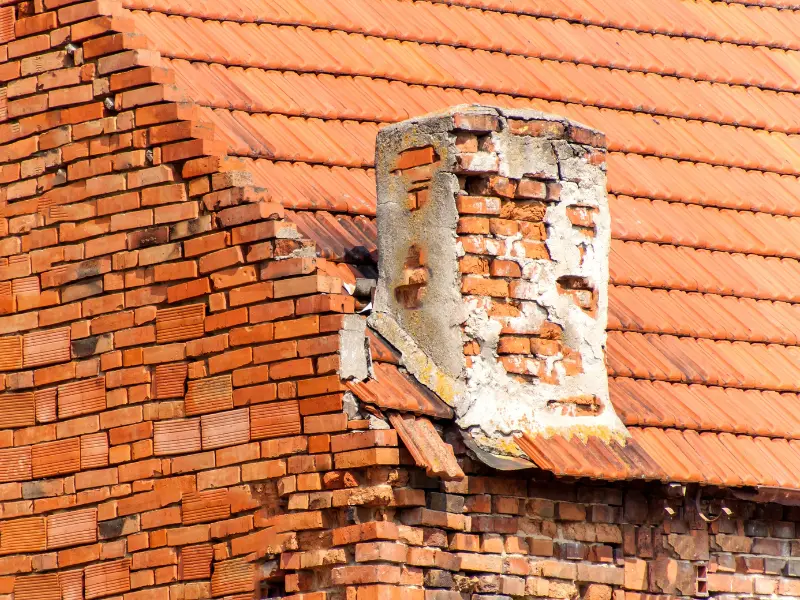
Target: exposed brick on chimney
<point>494,231</point>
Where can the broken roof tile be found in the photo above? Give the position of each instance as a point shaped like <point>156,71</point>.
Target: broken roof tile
<point>427,447</point>
<point>393,389</point>
<point>671,455</point>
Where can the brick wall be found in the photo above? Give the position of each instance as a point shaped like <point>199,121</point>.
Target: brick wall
<point>389,531</point>
<point>171,421</point>
<point>152,344</point>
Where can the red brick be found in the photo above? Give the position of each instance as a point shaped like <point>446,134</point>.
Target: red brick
<point>321,404</point>
<point>251,293</point>
<point>177,270</point>
<point>324,303</point>
<point>272,311</point>
<point>288,268</point>
<point>297,327</point>
<point>230,360</point>
<point>225,320</point>
<point>191,289</point>
<point>255,394</point>
<point>293,368</point>
<point>205,244</point>
<point>309,284</point>
<point>207,345</point>
<point>250,376</point>
<point>252,335</point>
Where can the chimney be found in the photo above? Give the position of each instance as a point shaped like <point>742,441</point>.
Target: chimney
<point>493,238</point>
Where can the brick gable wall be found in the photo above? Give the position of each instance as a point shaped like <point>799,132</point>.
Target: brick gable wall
<point>171,421</point>
<point>153,345</point>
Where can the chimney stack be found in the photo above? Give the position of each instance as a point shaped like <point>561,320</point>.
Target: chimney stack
<point>493,238</point>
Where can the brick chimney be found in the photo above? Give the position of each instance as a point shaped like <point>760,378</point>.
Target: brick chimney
<point>493,234</point>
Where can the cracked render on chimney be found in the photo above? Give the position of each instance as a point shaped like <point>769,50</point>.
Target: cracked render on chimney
<point>493,235</point>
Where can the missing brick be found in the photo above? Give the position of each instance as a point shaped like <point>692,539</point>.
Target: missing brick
<point>411,293</point>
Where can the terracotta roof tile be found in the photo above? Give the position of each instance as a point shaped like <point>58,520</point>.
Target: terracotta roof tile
<point>705,408</point>
<point>671,455</point>
<point>338,237</point>
<point>382,350</point>
<point>393,389</point>
<point>426,446</point>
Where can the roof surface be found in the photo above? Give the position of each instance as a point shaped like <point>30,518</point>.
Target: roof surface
<point>699,103</point>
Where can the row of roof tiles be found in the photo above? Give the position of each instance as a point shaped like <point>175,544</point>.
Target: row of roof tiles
<point>256,89</point>
<point>735,22</point>
<point>339,237</point>
<point>285,95</point>
<point>710,362</point>
<point>703,315</point>
<point>638,402</point>
<point>321,51</point>
<point>673,455</point>
<point>641,219</point>
<point>726,283</point>
<point>508,33</point>
<point>641,402</point>
<point>351,143</point>
<point>681,268</point>
<point>340,189</point>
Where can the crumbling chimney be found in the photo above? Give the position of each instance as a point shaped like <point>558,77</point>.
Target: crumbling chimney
<point>493,234</point>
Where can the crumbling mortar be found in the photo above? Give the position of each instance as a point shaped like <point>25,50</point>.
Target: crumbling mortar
<point>488,402</point>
